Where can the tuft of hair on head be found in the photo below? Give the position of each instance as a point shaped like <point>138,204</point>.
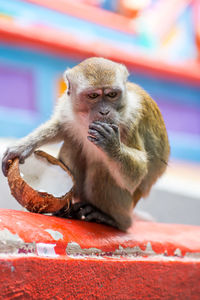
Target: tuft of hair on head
<point>97,72</point>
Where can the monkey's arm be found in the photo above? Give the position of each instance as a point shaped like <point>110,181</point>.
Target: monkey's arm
<point>46,133</point>
<point>127,165</point>
<point>131,167</point>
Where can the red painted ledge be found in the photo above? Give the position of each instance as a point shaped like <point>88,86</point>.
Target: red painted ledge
<point>44,257</point>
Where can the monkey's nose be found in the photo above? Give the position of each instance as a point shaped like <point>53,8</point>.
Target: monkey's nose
<point>104,113</point>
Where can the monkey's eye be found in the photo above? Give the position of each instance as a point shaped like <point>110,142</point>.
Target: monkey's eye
<point>93,96</point>
<point>112,94</point>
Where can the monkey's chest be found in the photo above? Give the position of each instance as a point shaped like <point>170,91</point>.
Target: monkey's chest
<point>92,153</point>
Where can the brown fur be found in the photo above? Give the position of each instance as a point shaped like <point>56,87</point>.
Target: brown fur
<point>151,135</point>
<point>113,181</point>
<point>97,75</point>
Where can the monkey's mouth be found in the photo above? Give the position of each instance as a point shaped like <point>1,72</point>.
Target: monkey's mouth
<point>105,120</point>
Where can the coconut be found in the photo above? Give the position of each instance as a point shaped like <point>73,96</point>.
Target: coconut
<point>42,184</point>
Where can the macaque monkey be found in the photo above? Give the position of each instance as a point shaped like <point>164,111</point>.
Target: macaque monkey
<point>114,141</point>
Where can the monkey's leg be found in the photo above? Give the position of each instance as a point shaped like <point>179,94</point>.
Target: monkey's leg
<point>87,212</point>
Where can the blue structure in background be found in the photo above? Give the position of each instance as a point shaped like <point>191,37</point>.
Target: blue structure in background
<point>179,103</point>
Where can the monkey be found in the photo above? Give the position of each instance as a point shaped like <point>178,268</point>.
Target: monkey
<point>114,141</point>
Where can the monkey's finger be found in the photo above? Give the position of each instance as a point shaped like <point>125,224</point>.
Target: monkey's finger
<point>99,128</point>
<point>76,206</point>
<point>84,211</point>
<point>99,217</point>
<point>115,128</point>
<point>92,139</point>
<point>94,133</point>
<point>5,166</point>
<point>7,161</point>
<point>21,160</point>
<point>106,126</point>
<point>4,169</point>
<point>109,128</point>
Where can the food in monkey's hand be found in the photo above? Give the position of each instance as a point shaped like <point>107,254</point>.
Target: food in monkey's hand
<point>42,184</point>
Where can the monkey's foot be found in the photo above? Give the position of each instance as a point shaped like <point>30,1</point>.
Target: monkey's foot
<point>87,212</point>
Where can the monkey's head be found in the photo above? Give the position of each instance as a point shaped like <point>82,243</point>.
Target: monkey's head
<point>97,89</point>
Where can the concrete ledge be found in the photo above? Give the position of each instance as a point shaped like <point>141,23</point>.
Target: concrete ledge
<point>44,257</point>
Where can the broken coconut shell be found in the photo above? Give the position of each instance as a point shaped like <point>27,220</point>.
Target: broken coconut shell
<point>26,192</point>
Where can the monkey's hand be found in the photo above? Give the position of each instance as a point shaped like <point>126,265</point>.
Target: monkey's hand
<point>105,136</point>
<point>12,153</point>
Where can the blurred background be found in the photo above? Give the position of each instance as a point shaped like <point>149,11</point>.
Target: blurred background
<point>159,42</point>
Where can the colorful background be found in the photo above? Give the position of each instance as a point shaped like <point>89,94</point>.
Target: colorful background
<point>40,39</point>
<point>158,40</point>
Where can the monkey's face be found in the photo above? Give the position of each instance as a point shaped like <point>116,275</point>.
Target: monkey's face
<point>97,89</point>
<point>100,104</point>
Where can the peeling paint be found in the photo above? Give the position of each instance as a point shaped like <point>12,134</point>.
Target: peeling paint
<point>135,251</point>
<point>130,251</point>
<point>56,235</point>
<point>27,248</point>
<point>178,252</point>
<point>46,250</point>
<point>149,250</point>
<point>6,235</point>
<point>12,247</point>
<point>75,249</point>
<point>165,253</point>
<point>192,255</point>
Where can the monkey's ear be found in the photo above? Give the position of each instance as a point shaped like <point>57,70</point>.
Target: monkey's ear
<point>66,78</point>
<point>125,72</point>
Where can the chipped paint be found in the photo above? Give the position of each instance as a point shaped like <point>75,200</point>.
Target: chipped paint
<point>195,255</point>
<point>6,235</point>
<point>46,250</point>
<point>56,235</point>
<point>56,239</point>
<point>11,243</point>
<point>12,247</point>
<point>135,251</point>
<point>178,252</point>
<point>75,249</point>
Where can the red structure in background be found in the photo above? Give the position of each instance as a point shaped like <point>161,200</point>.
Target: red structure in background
<point>54,42</point>
<point>43,257</point>
<point>89,13</point>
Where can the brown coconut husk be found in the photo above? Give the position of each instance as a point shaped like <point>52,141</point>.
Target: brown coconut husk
<point>33,200</point>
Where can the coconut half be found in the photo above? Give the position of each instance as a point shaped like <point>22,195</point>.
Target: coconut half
<point>42,184</point>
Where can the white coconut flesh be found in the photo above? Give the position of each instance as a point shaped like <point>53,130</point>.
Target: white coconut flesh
<point>45,177</point>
